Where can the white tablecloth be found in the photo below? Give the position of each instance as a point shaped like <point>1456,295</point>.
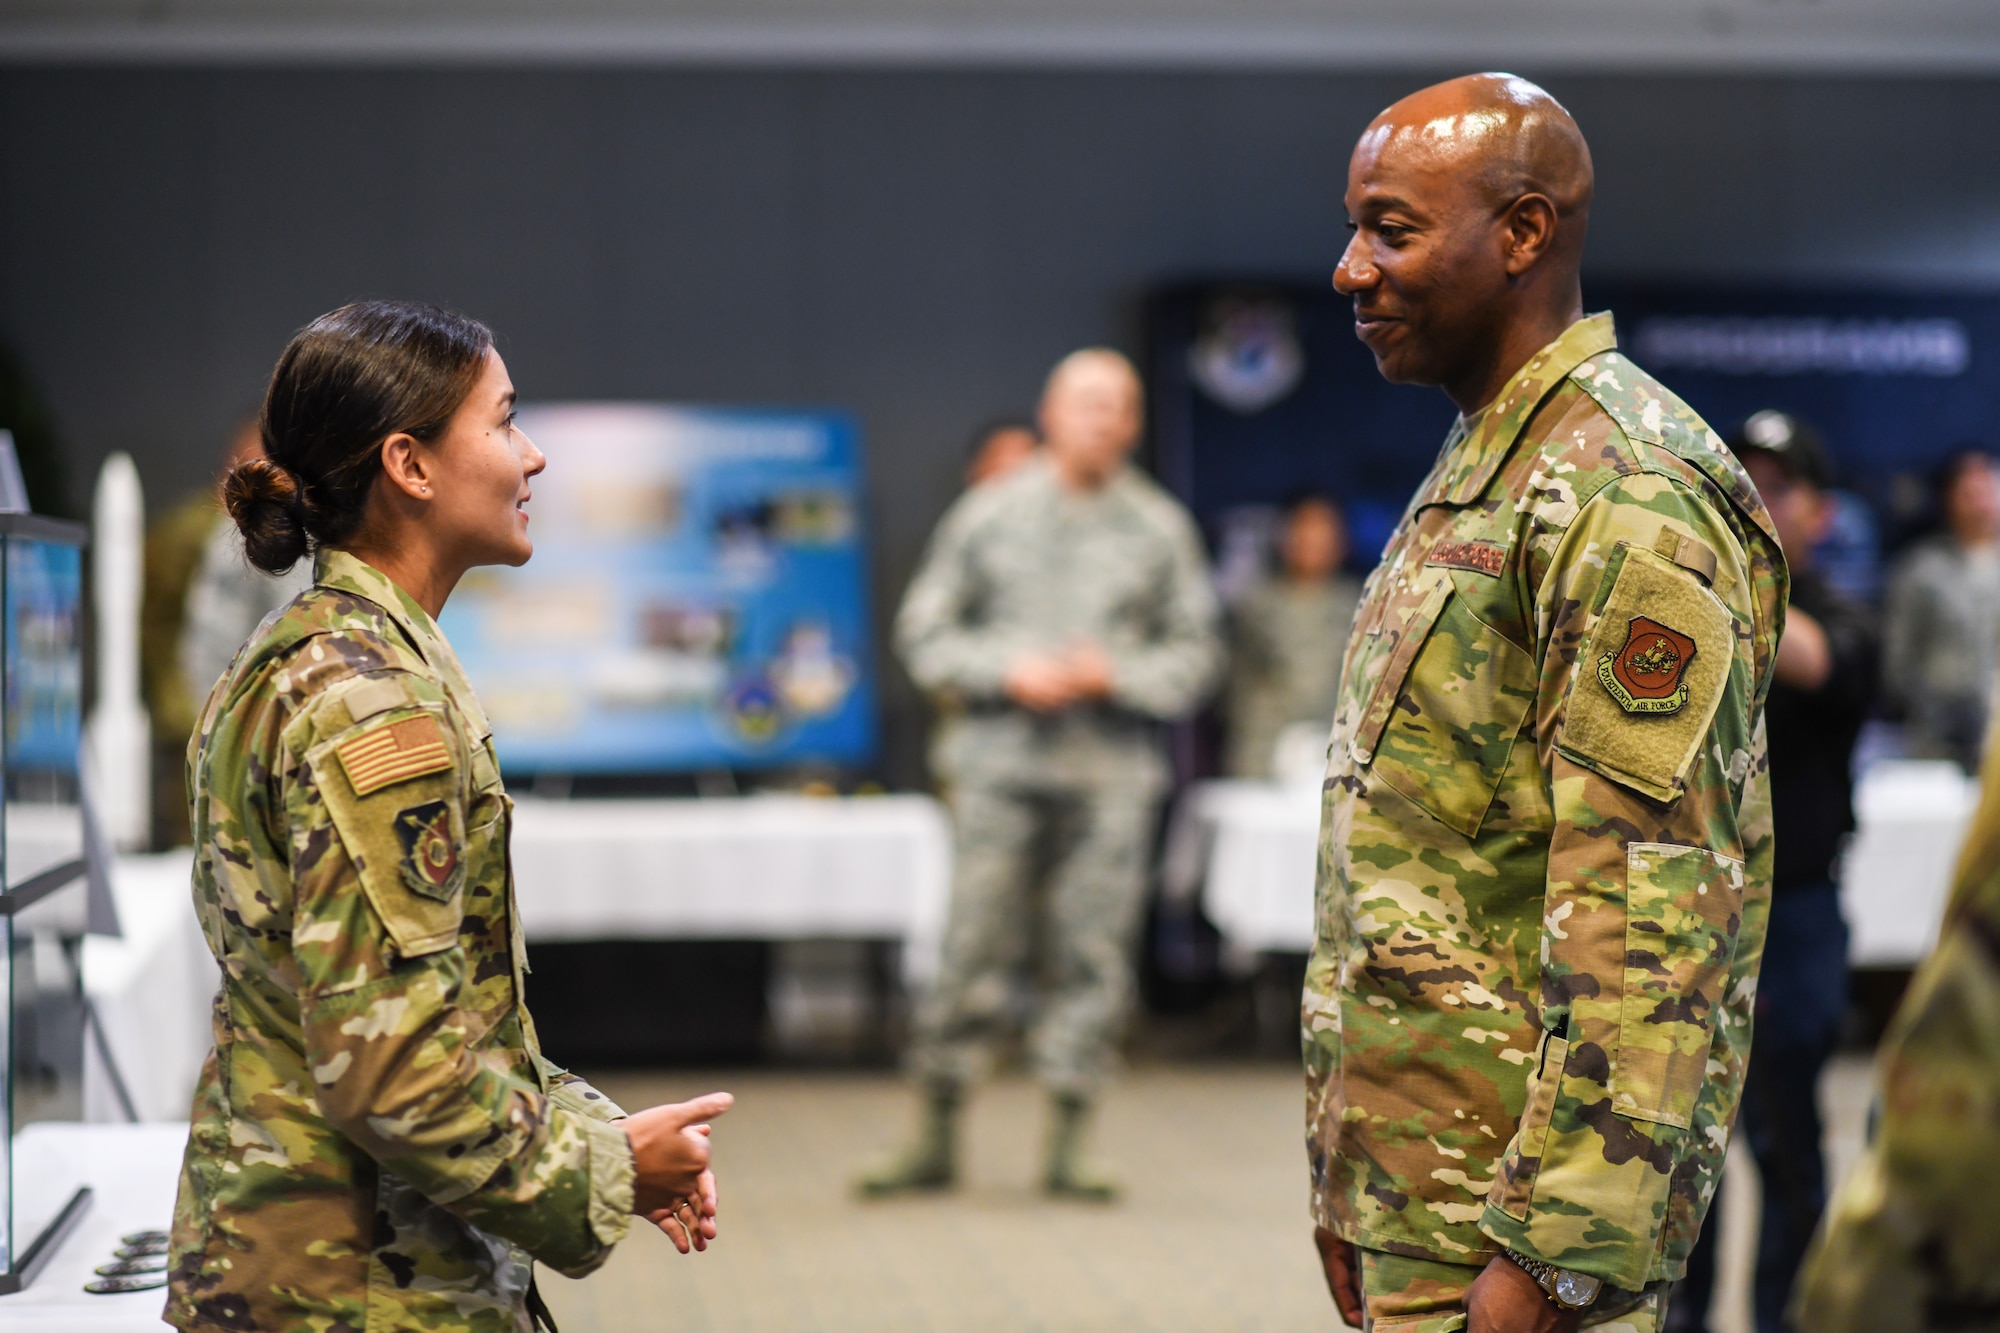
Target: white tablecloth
<point>151,990</point>
<point>132,1171</point>
<point>1249,849</point>
<point>759,867</point>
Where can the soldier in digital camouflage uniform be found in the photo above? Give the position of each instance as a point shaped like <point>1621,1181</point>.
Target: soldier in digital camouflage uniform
<point>1065,610</point>
<point>376,1141</point>
<point>1912,1240</point>
<point>1546,844</point>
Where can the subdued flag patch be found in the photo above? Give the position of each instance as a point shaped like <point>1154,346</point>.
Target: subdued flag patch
<point>395,753</point>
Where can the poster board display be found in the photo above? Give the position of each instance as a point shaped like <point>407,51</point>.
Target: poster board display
<point>697,598</point>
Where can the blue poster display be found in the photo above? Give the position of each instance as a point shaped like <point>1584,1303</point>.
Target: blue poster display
<point>697,598</point>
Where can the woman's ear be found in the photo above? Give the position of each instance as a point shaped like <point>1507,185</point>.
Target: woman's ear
<point>403,465</point>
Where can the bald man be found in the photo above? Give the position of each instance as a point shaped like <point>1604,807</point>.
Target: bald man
<point>1066,609</point>
<point>1546,845</point>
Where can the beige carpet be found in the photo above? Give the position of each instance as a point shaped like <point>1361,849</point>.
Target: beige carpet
<point>1213,1232</point>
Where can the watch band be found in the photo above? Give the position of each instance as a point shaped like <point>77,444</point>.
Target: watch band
<point>1565,1289</point>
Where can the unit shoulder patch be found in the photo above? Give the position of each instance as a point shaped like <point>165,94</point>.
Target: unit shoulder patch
<point>385,755</point>
<point>430,862</point>
<point>1648,674</point>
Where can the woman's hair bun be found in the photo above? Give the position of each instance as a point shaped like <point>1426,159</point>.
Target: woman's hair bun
<point>263,499</point>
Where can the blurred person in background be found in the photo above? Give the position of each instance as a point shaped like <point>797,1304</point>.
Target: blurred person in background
<point>228,597</point>
<point>1067,609</point>
<point>199,602</point>
<point>1826,675</point>
<point>1941,630</point>
<point>1912,1239</point>
<point>998,448</point>
<point>377,1140</point>
<point>1545,851</point>
<point>1287,636</point>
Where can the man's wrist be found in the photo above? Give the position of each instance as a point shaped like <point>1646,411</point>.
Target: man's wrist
<point>1565,1288</point>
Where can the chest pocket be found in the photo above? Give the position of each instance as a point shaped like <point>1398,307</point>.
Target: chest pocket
<point>1446,714</point>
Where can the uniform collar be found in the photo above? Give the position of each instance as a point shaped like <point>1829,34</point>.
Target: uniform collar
<point>344,572</point>
<point>1478,444</point>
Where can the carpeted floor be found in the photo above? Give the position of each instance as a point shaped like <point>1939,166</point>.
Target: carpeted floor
<point>1212,1234</point>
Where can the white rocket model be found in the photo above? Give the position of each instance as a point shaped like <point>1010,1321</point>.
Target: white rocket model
<point>119,733</point>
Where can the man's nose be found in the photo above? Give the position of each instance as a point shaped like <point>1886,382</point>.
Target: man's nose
<point>1356,271</point>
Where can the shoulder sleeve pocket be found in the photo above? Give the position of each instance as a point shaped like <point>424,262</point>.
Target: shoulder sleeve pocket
<point>1649,677</point>
<point>392,788</point>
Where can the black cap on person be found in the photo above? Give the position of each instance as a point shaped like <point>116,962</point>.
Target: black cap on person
<point>1795,445</point>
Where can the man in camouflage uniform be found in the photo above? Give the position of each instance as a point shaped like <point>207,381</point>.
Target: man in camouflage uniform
<point>377,1141</point>
<point>1066,610</point>
<point>1912,1240</point>
<point>1546,847</point>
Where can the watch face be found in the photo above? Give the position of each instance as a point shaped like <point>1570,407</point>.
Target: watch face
<point>1576,1289</point>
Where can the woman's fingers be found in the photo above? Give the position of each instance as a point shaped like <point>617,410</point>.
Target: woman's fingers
<point>667,1222</point>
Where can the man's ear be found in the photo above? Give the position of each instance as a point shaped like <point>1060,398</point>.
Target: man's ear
<point>403,466</point>
<point>1531,232</point>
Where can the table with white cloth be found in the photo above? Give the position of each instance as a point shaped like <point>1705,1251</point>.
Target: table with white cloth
<point>770,867</point>
<point>1249,851</point>
<point>132,1171</point>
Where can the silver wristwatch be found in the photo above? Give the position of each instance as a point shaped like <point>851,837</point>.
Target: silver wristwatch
<point>1565,1288</point>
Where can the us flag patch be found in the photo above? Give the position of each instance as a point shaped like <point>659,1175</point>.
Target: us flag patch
<point>392,754</point>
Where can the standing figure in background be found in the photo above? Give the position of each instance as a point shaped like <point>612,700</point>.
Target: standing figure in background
<point>1941,635</point>
<point>200,603</point>
<point>227,598</point>
<point>1545,852</point>
<point>1826,674</point>
<point>1287,637</point>
<point>1067,609</point>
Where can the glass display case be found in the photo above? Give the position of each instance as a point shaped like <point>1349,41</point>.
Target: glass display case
<point>43,906</point>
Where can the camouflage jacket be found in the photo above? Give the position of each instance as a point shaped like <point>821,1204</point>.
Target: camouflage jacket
<point>1025,565</point>
<point>376,1140</point>
<point>1545,850</point>
<point>1912,1240</point>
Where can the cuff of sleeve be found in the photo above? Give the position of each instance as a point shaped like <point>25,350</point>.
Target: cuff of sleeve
<point>611,1175</point>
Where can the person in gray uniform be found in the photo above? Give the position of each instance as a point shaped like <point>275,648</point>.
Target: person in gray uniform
<point>1066,611</point>
<point>1941,636</point>
<point>1287,637</point>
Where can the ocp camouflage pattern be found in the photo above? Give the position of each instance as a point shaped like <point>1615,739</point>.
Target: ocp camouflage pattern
<point>1912,1239</point>
<point>1540,915</point>
<point>376,1141</point>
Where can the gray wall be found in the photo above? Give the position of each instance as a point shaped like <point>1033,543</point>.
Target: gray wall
<point>915,246</point>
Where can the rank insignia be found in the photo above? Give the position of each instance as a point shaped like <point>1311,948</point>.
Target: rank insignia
<point>430,853</point>
<point>1648,674</point>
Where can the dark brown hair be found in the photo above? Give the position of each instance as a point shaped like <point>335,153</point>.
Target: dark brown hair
<point>348,380</point>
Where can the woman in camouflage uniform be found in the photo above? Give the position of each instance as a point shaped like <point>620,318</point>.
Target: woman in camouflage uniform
<point>377,1141</point>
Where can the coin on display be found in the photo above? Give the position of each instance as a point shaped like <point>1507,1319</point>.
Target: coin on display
<point>142,1237</point>
<point>112,1286</point>
<point>141,1249</point>
<point>154,1263</point>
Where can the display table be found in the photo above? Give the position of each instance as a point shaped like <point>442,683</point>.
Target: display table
<point>771,867</point>
<point>132,1171</point>
<point>1249,849</point>
<point>151,990</point>
<point>757,867</point>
